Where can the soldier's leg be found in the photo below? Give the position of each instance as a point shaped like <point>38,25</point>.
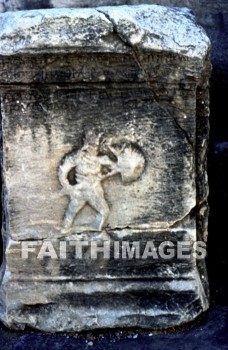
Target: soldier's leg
<point>97,201</point>
<point>74,207</point>
<point>103,209</point>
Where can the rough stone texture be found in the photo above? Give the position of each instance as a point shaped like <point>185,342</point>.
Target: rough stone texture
<point>212,332</point>
<point>212,15</point>
<point>122,89</point>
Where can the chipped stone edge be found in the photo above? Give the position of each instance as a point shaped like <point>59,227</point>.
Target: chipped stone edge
<point>16,39</point>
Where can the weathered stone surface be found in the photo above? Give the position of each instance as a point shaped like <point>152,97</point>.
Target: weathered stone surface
<point>105,128</point>
<point>212,15</point>
<point>212,332</point>
<point>93,29</point>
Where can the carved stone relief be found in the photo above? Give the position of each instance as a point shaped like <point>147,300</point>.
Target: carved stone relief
<point>91,165</point>
<point>104,141</point>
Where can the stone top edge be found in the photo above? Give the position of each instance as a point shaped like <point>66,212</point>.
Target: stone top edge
<point>118,29</point>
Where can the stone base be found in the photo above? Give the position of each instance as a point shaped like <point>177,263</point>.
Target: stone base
<point>77,294</point>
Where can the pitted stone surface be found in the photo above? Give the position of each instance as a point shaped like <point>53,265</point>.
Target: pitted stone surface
<point>145,27</point>
<point>105,131</point>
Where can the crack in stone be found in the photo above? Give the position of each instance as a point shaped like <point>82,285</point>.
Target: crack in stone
<point>185,133</point>
<point>190,46</point>
<point>139,62</point>
<point>182,220</point>
<point>134,51</point>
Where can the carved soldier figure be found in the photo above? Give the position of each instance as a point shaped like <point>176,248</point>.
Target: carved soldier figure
<point>91,168</point>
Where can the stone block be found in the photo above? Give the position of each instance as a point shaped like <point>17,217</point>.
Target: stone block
<point>105,131</point>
